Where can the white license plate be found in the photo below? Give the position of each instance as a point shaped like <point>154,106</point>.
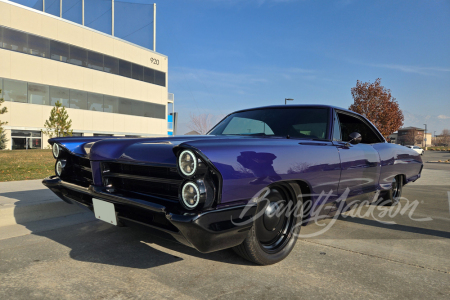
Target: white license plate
<point>104,211</point>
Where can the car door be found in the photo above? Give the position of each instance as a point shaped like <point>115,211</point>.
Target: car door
<point>360,163</point>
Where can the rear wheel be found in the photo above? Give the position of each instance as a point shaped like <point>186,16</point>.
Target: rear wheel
<point>392,197</point>
<point>275,230</point>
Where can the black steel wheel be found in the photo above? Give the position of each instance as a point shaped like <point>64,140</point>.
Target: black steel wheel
<point>393,195</point>
<point>275,231</point>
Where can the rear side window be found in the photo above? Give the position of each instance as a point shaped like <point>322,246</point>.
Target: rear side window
<point>351,124</point>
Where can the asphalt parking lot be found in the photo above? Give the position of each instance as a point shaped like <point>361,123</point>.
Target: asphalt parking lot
<point>358,257</point>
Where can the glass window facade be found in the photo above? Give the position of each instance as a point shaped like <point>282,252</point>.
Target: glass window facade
<point>15,91</point>
<point>34,93</point>
<point>78,56</point>
<point>124,68</point>
<point>111,104</point>
<point>138,72</point>
<point>52,7</point>
<point>38,94</point>
<point>110,64</point>
<point>95,61</point>
<point>61,95</point>
<point>95,102</point>
<point>39,46</point>
<point>126,106</point>
<point>15,40</point>
<point>20,41</point>
<point>78,99</point>
<point>160,78</point>
<point>149,75</point>
<point>59,51</point>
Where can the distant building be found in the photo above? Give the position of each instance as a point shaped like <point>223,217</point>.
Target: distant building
<point>412,136</point>
<point>393,138</point>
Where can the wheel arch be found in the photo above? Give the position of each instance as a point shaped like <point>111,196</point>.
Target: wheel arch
<point>305,190</point>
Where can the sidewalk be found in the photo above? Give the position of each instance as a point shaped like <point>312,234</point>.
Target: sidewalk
<point>30,202</point>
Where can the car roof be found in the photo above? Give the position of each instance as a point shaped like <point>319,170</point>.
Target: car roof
<point>299,106</point>
<point>311,106</point>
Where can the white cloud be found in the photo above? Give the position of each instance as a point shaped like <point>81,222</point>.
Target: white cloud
<point>412,69</point>
<point>433,71</point>
<point>434,122</point>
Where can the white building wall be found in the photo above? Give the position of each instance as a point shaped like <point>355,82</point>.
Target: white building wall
<point>25,67</point>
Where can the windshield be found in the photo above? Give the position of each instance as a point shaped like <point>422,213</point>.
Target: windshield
<point>295,122</point>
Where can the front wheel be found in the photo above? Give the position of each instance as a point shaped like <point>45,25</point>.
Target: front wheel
<point>276,227</point>
<point>393,195</point>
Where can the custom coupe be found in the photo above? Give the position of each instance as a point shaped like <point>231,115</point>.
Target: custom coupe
<point>249,184</point>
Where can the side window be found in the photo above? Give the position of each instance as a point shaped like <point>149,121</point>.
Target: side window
<point>336,128</point>
<point>351,124</point>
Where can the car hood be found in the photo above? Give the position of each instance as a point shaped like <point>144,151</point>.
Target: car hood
<point>158,150</point>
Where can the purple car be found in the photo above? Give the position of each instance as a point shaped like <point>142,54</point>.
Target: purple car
<point>249,184</point>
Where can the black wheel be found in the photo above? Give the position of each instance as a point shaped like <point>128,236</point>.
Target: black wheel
<point>275,231</point>
<point>392,197</point>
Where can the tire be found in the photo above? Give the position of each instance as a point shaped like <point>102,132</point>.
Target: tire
<point>265,246</point>
<point>393,195</point>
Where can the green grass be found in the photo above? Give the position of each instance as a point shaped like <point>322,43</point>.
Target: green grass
<point>26,164</point>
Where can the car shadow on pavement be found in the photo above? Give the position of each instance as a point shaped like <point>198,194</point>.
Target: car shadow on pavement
<point>95,241</point>
<point>399,227</point>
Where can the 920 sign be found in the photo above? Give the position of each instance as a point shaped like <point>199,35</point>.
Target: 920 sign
<point>154,61</point>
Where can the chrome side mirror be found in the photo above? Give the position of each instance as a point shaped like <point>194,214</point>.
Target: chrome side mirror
<point>355,138</point>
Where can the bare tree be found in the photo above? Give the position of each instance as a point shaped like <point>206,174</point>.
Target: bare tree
<point>445,137</point>
<point>418,140</point>
<point>408,138</point>
<point>201,123</point>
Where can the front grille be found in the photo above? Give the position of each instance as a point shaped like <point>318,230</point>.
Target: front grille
<point>159,181</point>
<point>78,171</point>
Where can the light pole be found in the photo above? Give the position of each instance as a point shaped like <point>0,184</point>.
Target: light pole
<point>425,138</point>
<point>287,99</point>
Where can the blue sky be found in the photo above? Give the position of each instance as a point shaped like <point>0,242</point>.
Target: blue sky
<point>226,55</point>
<point>229,55</point>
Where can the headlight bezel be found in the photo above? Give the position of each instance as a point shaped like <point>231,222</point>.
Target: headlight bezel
<point>184,202</point>
<point>194,159</point>
<point>207,178</point>
<point>56,148</point>
<point>62,163</point>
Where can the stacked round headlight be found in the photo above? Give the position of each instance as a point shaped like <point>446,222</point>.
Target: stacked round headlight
<point>55,150</point>
<point>190,195</point>
<point>187,162</point>
<point>59,167</point>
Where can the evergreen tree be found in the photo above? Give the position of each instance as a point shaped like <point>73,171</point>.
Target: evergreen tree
<point>58,124</point>
<point>3,138</point>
